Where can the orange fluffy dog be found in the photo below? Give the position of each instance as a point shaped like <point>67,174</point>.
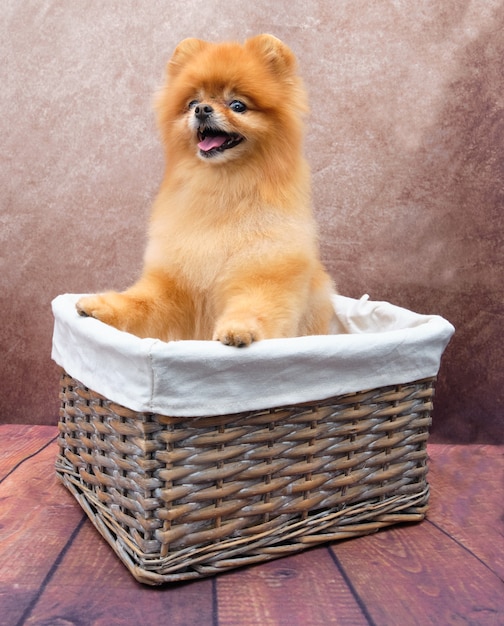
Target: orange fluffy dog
<point>232,252</point>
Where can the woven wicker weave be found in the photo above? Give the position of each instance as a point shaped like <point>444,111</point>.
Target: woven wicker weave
<point>181,498</point>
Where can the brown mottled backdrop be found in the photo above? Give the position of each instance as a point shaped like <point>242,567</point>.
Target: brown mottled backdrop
<point>405,139</point>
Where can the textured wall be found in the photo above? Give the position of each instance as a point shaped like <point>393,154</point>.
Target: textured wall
<point>405,140</point>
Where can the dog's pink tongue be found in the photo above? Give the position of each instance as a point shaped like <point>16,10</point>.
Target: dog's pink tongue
<point>209,143</point>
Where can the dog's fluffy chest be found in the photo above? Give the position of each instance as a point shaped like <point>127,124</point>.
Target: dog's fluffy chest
<point>198,247</point>
<point>192,256</point>
<point>199,234</point>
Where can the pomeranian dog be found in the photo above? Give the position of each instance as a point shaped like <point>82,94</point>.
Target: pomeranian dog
<point>232,253</point>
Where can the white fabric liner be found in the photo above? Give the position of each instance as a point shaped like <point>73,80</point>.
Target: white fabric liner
<point>377,344</point>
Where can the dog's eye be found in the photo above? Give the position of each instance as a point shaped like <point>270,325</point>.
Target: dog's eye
<point>192,104</point>
<point>238,106</point>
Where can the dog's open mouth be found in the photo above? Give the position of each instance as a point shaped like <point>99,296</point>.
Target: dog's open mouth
<point>211,142</point>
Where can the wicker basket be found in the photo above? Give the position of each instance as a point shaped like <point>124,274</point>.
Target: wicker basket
<point>181,498</point>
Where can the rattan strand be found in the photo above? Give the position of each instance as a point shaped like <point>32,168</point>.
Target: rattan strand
<point>181,498</point>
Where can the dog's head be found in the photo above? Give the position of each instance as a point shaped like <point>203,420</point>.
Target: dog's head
<point>228,102</point>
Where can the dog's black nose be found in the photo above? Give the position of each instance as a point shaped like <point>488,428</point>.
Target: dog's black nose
<point>203,111</point>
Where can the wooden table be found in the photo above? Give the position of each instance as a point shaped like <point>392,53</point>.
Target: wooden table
<point>56,570</point>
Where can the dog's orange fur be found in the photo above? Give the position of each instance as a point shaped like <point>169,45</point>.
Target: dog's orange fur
<point>232,252</point>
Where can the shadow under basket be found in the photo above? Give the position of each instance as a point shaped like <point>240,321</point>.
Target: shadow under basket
<point>181,498</point>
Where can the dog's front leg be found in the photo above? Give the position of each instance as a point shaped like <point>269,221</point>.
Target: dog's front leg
<point>154,307</point>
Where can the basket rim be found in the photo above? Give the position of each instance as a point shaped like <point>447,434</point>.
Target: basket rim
<point>196,378</point>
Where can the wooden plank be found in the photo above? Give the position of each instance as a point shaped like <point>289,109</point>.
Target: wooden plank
<point>19,441</point>
<point>37,512</point>
<point>306,588</point>
<point>417,575</point>
<point>467,485</point>
<point>37,517</point>
<point>92,582</point>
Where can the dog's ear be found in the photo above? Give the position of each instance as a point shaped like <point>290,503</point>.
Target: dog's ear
<point>278,56</point>
<point>186,50</point>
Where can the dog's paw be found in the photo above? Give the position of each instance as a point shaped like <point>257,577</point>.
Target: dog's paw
<point>237,338</point>
<point>237,334</point>
<point>97,307</point>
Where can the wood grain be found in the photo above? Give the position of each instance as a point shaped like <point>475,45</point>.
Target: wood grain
<point>467,498</point>
<point>91,586</point>
<point>37,517</point>
<point>300,590</point>
<point>418,575</point>
<point>18,443</point>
